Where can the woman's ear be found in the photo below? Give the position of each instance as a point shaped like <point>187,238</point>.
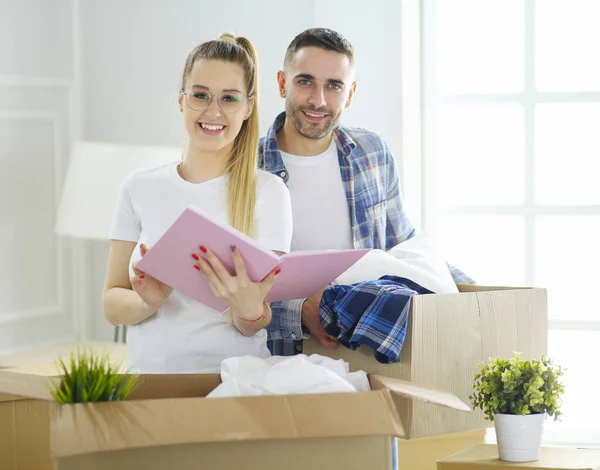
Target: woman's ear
<point>180,100</point>
<point>250,108</point>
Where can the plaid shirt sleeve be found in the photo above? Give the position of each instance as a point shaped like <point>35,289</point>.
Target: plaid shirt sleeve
<point>371,313</point>
<point>285,331</point>
<point>398,226</point>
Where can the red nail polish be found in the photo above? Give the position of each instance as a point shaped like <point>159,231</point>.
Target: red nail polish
<point>203,249</point>
<point>195,256</point>
<point>197,267</point>
<point>277,271</point>
<point>142,276</point>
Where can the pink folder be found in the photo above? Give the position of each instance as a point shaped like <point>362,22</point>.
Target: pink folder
<point>303,273</point>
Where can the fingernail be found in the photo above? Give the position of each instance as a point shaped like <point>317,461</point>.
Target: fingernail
<point>203,249</point>
<point>233,248</point>
<point>142,276</point>
<point>277,271</point>
<point>195,256</point>
<point>197,267</point>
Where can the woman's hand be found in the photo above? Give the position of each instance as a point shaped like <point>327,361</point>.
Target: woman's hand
<point>152,291</point>
<point>245,297</point>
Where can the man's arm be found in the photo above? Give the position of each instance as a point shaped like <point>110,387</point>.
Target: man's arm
<point>285,330</point>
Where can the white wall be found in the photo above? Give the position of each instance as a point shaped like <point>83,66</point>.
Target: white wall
<point>133,55</point>
<point>123,69</point>
<point>36,116</point>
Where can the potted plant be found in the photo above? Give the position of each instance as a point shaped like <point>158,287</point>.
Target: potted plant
<point>517,395</point>
<point>90,377</point>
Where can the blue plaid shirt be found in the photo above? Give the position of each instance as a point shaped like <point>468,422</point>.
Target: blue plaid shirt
<point>371,313</point>
<point>379,221</point>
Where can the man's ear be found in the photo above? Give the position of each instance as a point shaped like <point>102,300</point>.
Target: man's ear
<point>351,95</point>
<point>281,82</point>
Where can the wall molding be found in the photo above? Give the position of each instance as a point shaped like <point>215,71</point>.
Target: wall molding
<point>63,115</point>
<point>30,314</point>
<point>9,80</point>
<point>27,115</point>
<point>53,118</point>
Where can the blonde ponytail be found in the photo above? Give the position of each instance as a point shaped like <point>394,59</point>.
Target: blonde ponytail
<point>242,165</point>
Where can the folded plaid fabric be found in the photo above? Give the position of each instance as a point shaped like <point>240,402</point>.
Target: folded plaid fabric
<point>371,313</point>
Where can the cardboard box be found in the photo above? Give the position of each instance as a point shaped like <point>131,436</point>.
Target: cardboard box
<point>448,336</point>
<point>424,453</point>
<point>485,457</point>
<point>164,424</point>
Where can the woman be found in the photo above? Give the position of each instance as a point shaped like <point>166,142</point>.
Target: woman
<point>169,332</point>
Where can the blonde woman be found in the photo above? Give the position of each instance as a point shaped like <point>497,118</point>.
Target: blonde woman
<point>169,332</point>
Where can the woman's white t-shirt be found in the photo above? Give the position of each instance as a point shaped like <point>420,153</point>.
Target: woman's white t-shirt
<point>185,336</point>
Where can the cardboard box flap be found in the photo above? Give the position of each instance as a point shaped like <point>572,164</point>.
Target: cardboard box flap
<point>154,386</point>
<point>34,383</point>
<point>25,385</point>
<point>418,392</point>
<point>4,397</point>
<point>100,427</point>
<point>480,288</point>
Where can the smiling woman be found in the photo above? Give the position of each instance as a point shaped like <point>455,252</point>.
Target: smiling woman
<point>215,94</point>
<point>170,332</point>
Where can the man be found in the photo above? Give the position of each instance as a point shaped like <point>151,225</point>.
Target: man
<point>343,181</point>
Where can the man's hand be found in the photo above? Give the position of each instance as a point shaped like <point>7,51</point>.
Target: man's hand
<point>311,318</point>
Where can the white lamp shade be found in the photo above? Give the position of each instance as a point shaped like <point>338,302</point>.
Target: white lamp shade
<point>93,181</point>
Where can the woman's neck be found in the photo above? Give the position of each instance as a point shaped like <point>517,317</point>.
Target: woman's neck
<point>200,165</point>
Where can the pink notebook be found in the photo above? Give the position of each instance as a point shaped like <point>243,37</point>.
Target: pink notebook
<point>303,273</point>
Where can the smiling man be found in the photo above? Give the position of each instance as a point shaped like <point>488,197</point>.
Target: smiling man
<point>343,181</point>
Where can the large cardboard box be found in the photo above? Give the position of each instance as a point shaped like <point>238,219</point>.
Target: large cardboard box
<point>423,453</point>
<point>448,336</point>
<point>164,424</point>
<point>485,457</point>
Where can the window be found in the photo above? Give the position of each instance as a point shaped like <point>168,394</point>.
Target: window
<point>511,161</point>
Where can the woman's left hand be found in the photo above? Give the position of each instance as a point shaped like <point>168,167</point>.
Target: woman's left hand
<point>245,297</point>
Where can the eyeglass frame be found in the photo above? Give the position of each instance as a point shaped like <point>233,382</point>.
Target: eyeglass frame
<point>217,95</point>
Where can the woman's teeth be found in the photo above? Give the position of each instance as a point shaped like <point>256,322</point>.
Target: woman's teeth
<point>211,127</point>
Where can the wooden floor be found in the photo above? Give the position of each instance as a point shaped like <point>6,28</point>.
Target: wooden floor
<point>43,361</point>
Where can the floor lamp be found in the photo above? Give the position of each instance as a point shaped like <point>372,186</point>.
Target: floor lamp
<point>94,176</point>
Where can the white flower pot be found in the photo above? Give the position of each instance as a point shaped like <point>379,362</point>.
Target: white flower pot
<point>519,437</point>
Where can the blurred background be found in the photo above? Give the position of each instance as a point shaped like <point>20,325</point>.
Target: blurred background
<point>491,107</point>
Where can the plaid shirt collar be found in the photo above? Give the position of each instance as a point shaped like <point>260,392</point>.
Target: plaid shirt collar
<point>273,163</point>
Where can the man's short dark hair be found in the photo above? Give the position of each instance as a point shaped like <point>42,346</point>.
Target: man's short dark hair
<point>323,38</point>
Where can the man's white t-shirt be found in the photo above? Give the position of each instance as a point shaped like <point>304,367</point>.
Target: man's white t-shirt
<point>319,203</point>
<point>185,336</point>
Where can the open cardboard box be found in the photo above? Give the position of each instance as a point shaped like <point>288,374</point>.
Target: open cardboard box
<point>165,423</point>
<point>448,335</point>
